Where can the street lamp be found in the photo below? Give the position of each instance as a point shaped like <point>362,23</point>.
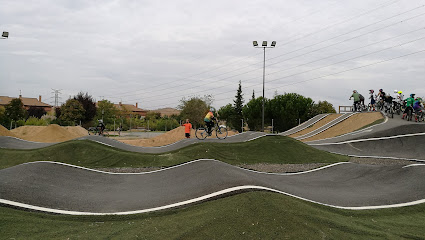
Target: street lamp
<point>264,46</point>
<point>5,35</point>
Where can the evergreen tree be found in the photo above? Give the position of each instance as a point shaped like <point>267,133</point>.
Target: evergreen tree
<point>238,106</point>
<point>15,110</point>
<point>253,94</point>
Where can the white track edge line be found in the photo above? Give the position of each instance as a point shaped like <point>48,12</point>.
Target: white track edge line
<point>205,197</point>
<point>369,139</point>
<point>186,163</point>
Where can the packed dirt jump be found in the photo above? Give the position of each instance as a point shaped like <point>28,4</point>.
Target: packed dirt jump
<point>351,124</point>
<point>5,132</point>
<point>48,134</point>
<point>167,138</point>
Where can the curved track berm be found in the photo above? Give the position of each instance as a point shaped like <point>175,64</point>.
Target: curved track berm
<point>60,188</point>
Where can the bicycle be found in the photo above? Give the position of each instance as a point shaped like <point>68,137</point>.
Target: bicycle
<point>420,115</point>
<point>220,131</point>
<point>409,114</point>
<point>96,131</point>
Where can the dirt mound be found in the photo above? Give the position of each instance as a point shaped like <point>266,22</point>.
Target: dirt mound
<point>24,131</point>
<point>167,138</point>
<point>317,125</point>
<point>51,133</point>
<point>5,132</point>
<point>350,124</point>
<point>77,131</point>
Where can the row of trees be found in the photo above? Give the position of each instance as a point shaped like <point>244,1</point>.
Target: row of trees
<point>82,109</point>
<point>285,110</point>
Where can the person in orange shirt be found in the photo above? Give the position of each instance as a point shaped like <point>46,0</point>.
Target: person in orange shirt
<point>187,128</point>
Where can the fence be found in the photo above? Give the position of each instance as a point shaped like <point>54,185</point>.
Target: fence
<point>345,109</point>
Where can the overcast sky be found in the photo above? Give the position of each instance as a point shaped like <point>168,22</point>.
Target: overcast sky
<point>158,52</point>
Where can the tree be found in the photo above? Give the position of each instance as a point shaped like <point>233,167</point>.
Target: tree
<point>194,109</point>
<point>288,109</point>
<point>252,113</point>
<point>227,113</point>
<point>15,110</point>
<point>238,115</point>
<point>71,112</point>
<point>36,112</point>
<point>323,107</point>
<point>106,111</point>
<point>253,94</point>
<point>88,104</point>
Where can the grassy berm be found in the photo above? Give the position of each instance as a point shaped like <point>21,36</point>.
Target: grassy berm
<point>271,149</point>
<point>252,215</point>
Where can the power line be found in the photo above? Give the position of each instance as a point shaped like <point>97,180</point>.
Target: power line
<point>296,39</point>
<point>346,60</point>
<point>402,21</point>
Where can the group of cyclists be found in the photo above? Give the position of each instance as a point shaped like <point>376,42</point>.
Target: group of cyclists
<point>390,103</point>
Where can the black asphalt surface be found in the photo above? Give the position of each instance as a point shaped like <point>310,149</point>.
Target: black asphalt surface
<point>62,187</point>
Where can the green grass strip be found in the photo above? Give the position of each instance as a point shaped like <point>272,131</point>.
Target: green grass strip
<point>86,153</point>
<point>252,215</point>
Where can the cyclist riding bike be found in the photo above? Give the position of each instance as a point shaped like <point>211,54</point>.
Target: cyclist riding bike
<point>372,98</point>
<point>417,107</point>
<point>101,127</point>
<point>409,105</point>
<point>209,120</point>
<point>356,97</point>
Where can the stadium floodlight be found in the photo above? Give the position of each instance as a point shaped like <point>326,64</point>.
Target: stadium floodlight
<point>5,35</point>
<point>264,46</point>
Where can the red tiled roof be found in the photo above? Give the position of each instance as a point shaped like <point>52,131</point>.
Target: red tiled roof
<point>4,100</point>
<point>129,107</point>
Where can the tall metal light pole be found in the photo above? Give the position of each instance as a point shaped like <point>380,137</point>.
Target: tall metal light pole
<point>5,35</point>
<point>264,46</point>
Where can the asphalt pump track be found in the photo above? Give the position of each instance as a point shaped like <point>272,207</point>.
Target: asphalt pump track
<point>61,188</point>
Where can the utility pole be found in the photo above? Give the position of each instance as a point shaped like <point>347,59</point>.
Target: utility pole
<point>57,92</point>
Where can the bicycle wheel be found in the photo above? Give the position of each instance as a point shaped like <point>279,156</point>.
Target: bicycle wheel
<point>201,133</point>
<point>105,134</point>
<point>221,132</point>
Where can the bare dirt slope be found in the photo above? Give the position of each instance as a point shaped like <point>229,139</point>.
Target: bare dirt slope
<point>51,133</point>
<point>167,138</point>
<point>351,124</point>
<point>5,132</point>
<point>317,125</point>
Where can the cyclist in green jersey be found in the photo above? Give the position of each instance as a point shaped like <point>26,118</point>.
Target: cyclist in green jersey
<point>409,104</point>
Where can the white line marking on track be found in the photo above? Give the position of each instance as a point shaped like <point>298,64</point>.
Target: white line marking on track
<point>229,190</point>
<point>368,139</point>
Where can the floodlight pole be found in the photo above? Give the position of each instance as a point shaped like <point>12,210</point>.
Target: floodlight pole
<point>264,46</point>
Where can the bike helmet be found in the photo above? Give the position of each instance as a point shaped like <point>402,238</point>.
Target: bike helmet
<point>100,121</point>
<point>354,91</point>
<point>400,92</point>
<point>381,90</point>
<point>412,95</point>
<point>395,91</point>
<point>212,109</point>
<point>371,91</point>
